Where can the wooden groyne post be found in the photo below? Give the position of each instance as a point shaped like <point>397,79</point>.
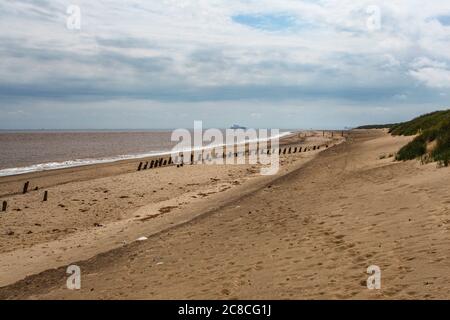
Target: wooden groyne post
<point>25,187</point>
<point>4,206</point>
<point>45,196</point>
<point>140,166</point>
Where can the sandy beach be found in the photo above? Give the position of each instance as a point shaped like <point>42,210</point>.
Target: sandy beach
<point>226,232</point>
<point>97,208</point>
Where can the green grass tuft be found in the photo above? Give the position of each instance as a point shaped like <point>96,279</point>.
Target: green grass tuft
<point>430,127</point>
<point>421,123</point>
<point>414,149</point>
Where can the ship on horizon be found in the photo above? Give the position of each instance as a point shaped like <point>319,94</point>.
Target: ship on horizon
<point>236,126</point>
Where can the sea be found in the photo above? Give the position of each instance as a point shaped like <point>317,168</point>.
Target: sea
<point>30,151</point>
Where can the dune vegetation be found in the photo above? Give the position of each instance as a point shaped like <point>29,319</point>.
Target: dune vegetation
<point>377,126</point>
<point>432,142</point>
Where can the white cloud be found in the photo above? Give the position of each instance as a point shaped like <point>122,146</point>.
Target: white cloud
<point>433,73</point>
<point>432,77</point>
<point>194,50</point>
<point>424,62</point>
<point>179,29</point>
<point>400,96</point>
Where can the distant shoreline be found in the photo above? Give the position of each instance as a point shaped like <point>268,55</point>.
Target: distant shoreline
<point>73,163</point>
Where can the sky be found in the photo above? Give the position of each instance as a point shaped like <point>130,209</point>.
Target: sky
<point>267,64</point>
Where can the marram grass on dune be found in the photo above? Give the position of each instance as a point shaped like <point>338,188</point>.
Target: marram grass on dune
<point>433,137</point>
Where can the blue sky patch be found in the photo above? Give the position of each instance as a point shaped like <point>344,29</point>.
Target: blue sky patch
<point>444,20</point>
<point>269,22</point>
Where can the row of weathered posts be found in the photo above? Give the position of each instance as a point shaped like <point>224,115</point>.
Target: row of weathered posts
<point>154,164</point>
<point>24,191</point>
<point>161,162</point>
<point>332,133</point>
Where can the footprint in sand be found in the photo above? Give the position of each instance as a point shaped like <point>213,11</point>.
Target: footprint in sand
<point>167,209</point>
